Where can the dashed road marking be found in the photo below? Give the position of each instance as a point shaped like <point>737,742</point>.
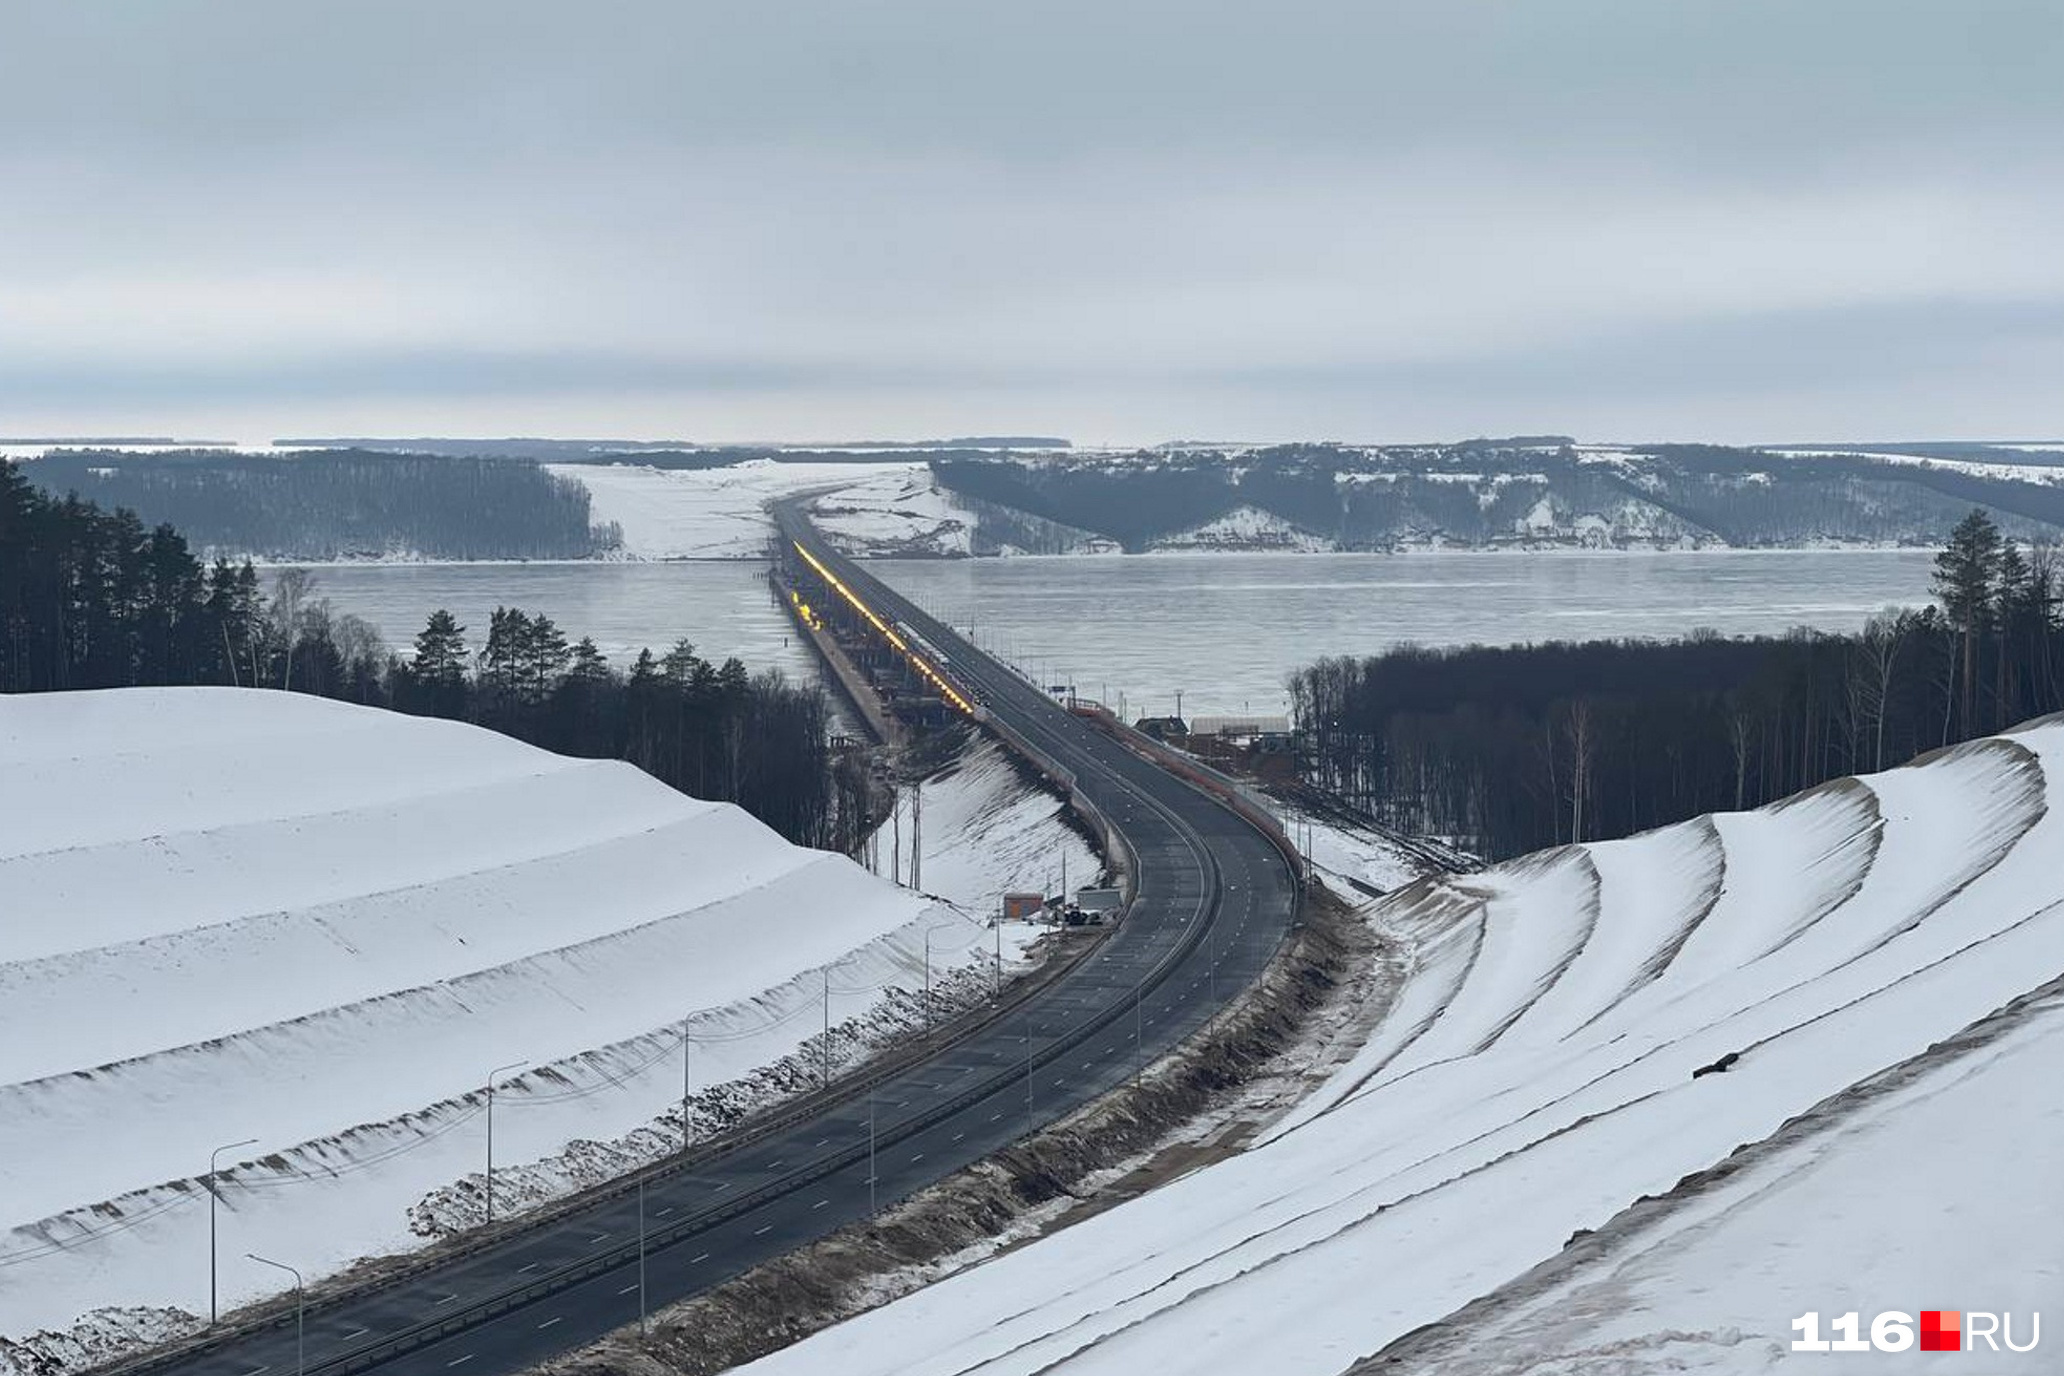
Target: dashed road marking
<point>556,1318</point>
<point>460,1361</point>
<point>703,1256</point>
<point>763,1229</point>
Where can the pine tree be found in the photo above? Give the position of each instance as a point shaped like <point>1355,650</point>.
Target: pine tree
<point>1964,578</point>
<point>544,657</point>
<point>440,650</point>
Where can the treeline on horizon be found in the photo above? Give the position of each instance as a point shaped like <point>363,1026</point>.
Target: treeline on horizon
<point>1496,492</point>
<point>341,504</point>
<point>1510,749</point>
<point>96,599</point>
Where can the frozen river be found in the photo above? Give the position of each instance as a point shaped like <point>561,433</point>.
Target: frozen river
<point>1224,629</point>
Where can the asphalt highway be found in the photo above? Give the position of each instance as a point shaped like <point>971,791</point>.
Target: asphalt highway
<point>1214,901</point>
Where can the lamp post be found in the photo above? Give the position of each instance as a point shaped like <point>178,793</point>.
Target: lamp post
<point>928,980</point>
<point>300,1312</point>
<point>214,1198</point>
<point>687,1046</point>
<point>490,1131</point>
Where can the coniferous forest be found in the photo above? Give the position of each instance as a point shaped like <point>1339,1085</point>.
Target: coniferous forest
<point>95,599</point>
<point>1509,749</point>
<point>341,504</point>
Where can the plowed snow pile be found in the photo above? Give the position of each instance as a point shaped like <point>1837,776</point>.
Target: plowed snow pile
<point>230,915</point>
<point>1885,956</point>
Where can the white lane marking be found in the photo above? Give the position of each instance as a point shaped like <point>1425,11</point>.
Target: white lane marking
<point>355,1333</point>
<point>627,1290</point>
<point>994,1116</point>
<point>917,1158</point>
<point>762,1229</point>
<point>702,1257</point>
<point>549,1322</point>
<point>446,1300</point>
<point>598,1239</point>
<point>958,1135</point>
<point>823,1142</point>
<point>662,1213</point>
<point>256,1369</point>
<point>820,1203</point>
<point>460,1361</point>
<point>721,1188</point>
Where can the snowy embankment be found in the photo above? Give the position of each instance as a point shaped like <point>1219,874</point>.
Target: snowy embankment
<point>1882,959</point>
<point>721,513</point>
<point>234,915</point>
<point>988,831</point>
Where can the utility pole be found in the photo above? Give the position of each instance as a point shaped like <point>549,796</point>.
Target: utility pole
<point>827,1027</point>
<point>872,1207</point>
<point>687,1045</point>
<point>1139,1037</point>
<point>1028,1073</point>
<point>916,834</point>
<point>1178,704</point>
<point>641,1257</point>
<point>896,838</point>
<point>928,980</point>
<point>300,1312</point>
<point>214,1198</point>
<point>997,991</point>
<point>490,1131</point>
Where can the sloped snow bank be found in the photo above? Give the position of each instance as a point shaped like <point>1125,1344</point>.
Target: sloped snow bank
<point>237,914</point>
<point>989,831</point>
<point>711,513</point>
<point>1538,1075</point>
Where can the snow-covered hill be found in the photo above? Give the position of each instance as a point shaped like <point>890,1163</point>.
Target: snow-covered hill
<point>230,915</point>
<point>1524,1146</point>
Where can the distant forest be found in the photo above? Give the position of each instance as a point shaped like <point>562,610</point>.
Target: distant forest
<point>1512,749</point>
<point>96,599</point>
<point>675,453</point>
<point>1518,492</point>
<point>340,504</point>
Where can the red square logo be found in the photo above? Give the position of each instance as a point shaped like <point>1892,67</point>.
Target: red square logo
<point>1942,1330</point>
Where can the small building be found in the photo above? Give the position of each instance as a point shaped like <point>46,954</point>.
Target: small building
<point>1023,907</point>
<point>1241,728</point>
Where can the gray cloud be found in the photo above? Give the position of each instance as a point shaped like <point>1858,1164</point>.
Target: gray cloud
<point>1118,219</point>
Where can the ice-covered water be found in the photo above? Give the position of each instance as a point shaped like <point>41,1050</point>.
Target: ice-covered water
<point>1225,629</point>
<point>723,607</point>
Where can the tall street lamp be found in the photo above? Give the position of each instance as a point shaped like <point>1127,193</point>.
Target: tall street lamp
<point>214,1198</point>
<point>490,1131</point>
<point>928,980</point>
<point>300,1312</point>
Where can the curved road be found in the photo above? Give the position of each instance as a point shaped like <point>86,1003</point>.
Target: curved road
<point>1214,900</point>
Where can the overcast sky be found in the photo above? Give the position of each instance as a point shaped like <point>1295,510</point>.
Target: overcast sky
<point>1737,219</point>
